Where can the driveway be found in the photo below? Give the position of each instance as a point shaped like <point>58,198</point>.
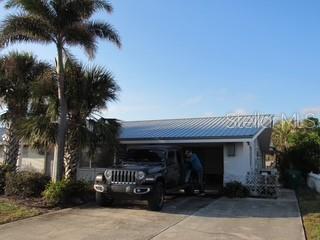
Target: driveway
<point>182,218</point>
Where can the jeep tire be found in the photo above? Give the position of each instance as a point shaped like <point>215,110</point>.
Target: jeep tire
<point>102,200</point>
<point>156,199</point>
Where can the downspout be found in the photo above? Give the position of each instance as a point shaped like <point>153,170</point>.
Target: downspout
<point>251,149</point>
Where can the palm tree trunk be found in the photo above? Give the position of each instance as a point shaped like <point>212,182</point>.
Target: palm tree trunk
<point>71,158</point>
<point>11,146</point>
<point>62,122</point>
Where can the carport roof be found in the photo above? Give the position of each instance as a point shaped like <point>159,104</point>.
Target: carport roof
<point>227,127</point>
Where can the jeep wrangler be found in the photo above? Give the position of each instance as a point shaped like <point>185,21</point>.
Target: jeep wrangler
<point>145,173</point>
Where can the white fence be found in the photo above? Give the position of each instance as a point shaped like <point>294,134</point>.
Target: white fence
<point>88,174</point>
<point>313,181</point>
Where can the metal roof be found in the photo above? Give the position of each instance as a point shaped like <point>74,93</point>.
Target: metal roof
<point>227,127</point>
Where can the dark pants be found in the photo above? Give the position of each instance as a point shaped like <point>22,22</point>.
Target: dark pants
<point>199,173</point>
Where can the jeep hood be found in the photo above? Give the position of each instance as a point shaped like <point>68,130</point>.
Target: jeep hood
<point>146,167</point>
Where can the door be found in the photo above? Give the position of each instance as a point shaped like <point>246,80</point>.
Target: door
<point>173,171</point>
<point>212,160</point>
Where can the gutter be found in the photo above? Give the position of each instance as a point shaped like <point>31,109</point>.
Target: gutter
<point>179,141</point>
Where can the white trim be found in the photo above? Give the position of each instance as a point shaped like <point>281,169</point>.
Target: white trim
<point>186,141</point>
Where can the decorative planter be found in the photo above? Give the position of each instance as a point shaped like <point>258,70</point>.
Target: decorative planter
<point>313,181</point>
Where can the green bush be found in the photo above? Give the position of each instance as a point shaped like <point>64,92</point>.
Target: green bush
<point>4,169</point>
<point>25,184</point>
<point>236,189</point>
<point>67,192</point>
<point>293,179</point>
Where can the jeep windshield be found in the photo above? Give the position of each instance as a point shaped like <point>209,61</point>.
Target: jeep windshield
<point>144,155</point>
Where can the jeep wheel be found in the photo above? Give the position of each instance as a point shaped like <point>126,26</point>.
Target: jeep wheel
<point>102,200</point>
<point>156,200</point>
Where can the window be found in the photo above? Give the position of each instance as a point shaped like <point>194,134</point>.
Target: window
<point>102,158</point>
<point>231,149</point>
<point>144,155</point>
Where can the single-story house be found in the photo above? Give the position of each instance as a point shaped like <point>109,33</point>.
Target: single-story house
<point>28,158</point>
<point>229,146</point>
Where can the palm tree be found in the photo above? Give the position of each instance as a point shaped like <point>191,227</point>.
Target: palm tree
<point>63,23</point>
<point>18,73</point>
<point>89,89</point>
<point>281,134</point>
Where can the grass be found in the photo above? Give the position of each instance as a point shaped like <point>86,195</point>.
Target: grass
<point>310,209</point>
<point>11,212</point>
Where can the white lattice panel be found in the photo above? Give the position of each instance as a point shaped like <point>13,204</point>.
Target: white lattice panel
<point>262,185</point>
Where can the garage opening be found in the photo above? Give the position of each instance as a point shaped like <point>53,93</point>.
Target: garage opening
<point>212,158</point>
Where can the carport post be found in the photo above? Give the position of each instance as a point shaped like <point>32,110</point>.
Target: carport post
<point>251,149</point>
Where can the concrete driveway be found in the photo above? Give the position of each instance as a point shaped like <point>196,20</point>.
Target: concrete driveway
<point>182,218</point>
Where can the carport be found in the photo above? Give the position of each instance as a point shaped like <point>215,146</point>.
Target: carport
<point>229,146</point>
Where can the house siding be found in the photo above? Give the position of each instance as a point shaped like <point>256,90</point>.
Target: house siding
<point>29,159</point>
<point>236,167</point>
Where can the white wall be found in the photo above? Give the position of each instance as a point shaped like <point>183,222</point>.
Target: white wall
<point>29,159</point>
<point>313,181</point>
<point>236,167</point>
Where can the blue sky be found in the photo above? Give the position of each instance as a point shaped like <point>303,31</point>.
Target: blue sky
<point>208,58</point>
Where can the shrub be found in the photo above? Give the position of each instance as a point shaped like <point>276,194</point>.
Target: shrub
<point>67,192</point>
<point>25,184</point>
<point>4,169</point>
<point>236,189</point>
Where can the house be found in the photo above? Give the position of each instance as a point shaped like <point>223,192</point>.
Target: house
<point>29,158</point>
<point>229,146</point>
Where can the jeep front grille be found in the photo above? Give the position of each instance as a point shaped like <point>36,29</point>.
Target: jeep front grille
<point>123,177</point>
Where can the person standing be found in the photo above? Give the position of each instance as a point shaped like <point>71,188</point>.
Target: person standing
<point>197,167</point>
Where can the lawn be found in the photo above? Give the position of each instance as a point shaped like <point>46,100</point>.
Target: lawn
<point>310,209</point>
<point>11,212</point>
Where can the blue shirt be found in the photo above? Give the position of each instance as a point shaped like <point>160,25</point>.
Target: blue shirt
<point>196,163</point>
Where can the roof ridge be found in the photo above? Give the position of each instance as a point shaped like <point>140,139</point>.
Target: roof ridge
<point>189,118</point>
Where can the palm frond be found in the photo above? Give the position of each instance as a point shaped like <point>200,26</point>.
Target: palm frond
<point>34,7</point>
<point>38,131</point>
<point>103,132</point>
<point>89,88</point>
<point>102,4</point>
<point>24,28</point>
<point>104,31</point>
<point>84,9</point>
<point>78,34</point>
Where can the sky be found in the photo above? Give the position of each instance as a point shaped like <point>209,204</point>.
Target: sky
<point>208,57</point>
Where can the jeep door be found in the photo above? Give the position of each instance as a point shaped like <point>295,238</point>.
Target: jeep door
<point>173,169</point>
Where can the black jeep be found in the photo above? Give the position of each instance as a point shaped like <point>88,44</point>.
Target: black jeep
<point>145,173</point>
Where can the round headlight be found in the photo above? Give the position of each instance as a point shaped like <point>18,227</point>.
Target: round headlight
<point>140,175</point>
<point>108,174</point>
